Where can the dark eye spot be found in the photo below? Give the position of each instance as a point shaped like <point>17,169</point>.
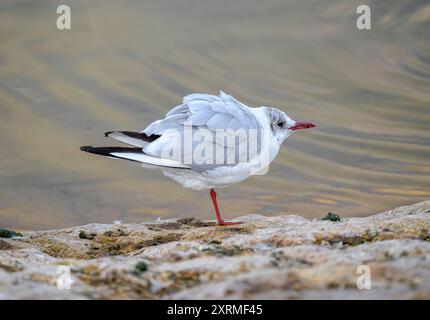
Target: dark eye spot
<point>280,124</point>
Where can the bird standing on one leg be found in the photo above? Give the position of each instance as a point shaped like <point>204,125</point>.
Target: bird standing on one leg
<point>207,142</point>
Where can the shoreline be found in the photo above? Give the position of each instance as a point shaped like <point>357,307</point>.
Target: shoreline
<point>280,257</point>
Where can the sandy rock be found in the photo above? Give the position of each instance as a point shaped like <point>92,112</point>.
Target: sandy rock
<point>283,257</point>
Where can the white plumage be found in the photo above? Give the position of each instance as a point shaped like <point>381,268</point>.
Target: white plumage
<point>175,143</point>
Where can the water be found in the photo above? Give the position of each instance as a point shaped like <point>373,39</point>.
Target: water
<point>125,64</point>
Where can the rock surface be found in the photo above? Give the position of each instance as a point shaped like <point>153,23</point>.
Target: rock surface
<point>283,257</point>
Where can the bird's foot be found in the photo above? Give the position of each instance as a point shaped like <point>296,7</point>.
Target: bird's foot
<point>228,223</point>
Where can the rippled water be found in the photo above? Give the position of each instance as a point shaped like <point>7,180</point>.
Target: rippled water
<point>124,64</point>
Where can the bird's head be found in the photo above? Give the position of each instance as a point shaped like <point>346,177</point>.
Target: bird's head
<point>282,126</point>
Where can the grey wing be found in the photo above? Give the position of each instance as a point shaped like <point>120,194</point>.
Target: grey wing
<point>209,111</point>
<point>204,114</point>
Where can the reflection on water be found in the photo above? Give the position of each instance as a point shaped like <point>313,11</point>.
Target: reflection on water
<point>125,64</point>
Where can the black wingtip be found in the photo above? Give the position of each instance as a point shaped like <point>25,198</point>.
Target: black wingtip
<point>110,151</point>
<point>86,148</point>
<point>106,151</point>
<point>135,135</point>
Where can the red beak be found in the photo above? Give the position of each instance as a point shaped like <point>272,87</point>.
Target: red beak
<point>302,125</point>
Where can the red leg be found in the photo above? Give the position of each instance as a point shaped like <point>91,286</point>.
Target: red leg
<point>221,222</point>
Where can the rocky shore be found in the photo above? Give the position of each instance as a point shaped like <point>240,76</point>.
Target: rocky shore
<point>282,257</point>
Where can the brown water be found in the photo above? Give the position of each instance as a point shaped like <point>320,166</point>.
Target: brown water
<point>124,64</point>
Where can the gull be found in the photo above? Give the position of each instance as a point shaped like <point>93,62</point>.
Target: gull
<point>205,142</point>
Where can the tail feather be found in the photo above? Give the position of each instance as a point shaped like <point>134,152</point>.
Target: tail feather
<point>133,154</point>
